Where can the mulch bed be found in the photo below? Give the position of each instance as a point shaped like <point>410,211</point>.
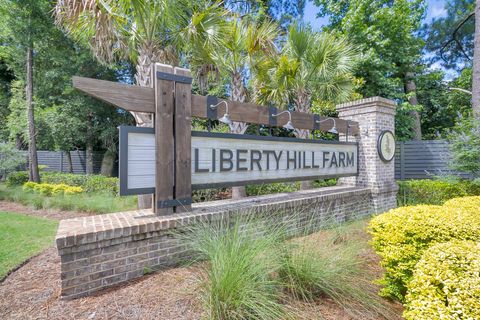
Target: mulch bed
<point>32,292</point>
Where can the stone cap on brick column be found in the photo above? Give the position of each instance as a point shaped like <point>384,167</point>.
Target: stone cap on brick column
<point>368,105</point>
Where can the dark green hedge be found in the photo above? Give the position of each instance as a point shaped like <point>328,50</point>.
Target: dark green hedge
<point>89,183</point>
<point>435,192</point>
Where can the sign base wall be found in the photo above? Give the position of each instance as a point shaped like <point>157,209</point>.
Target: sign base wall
<point>106,250</point>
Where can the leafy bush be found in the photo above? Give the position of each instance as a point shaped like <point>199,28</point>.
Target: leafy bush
<point>280,187</point>
<point>268,188</point>
<point>17,178</point>
<point>401,235</point>
<point>470,204</point>
<point>446,283</point>
<point>47,189</point>
<point>465,146</point>
<point>10,158</point>
<point>435,192</point>
<point>89,183</point>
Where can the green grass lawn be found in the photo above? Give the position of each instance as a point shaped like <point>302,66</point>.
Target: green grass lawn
<point>22,237</point>
<point>88,202</point>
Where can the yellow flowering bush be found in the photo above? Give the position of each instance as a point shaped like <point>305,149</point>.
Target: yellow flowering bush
<point>401,235</point>
<point>51,189</point>
<point>466,203</point>
<point>446,283</point>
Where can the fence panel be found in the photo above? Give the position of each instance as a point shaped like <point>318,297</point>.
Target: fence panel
<point>422,159</point>
<point>57,161</point>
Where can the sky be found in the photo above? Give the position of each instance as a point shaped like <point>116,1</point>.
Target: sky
<point>435,10</point>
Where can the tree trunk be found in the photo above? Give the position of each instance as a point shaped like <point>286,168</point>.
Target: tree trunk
<point>411,89</point>
<point>69,162</point>
<point>476,65</point>
<point>143,78</point>
<point>89,145</point>
<point>32,145</point>
<point>238,94</point>
<point>107,163</point>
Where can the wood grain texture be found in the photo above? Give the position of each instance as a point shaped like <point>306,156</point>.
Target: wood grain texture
<point>183,122</point>
<point>134,98</point>
<point>125,96</point>
<point>164,139</point>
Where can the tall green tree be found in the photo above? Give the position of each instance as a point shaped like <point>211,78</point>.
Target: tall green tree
<point>23,26</point>
<point>450,39</point>
<point>284,12</point>
<point>387,33</point>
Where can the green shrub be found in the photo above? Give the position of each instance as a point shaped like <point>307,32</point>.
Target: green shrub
<point>434,192</point>
<point>465,145</point>
<point>470,204</point>
<point>280,187</point>
<point>47,189</point>
<point>446,283</point>
<point>89,183</point>
<point>65,178</point>
<point>10,158</point>
<point>268,188</point>
<point>401,235</point>
<point>17,178</point>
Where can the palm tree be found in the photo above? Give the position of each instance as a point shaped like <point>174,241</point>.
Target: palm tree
<point>244,44</point>
<point>142,31</point>
<point>311,66</point>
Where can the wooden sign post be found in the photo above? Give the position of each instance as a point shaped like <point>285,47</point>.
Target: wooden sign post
<point>173,88</point>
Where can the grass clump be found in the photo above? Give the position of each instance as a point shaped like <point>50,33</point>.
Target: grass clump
<point>333,267</point>
<point>237,280</point>
<point>22,237</point>
<point>252,271</point>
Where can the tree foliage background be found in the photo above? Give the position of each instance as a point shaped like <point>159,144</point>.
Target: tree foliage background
<point>393,46</point>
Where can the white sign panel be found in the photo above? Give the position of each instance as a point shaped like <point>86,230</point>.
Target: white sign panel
<point>220,160</point>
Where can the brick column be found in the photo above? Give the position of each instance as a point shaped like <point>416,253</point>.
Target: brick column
<point>373,115</point>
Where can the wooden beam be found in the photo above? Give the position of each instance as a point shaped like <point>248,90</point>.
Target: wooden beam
<point>141,99</point>
<point>253,113</point>
<point>125,96</point>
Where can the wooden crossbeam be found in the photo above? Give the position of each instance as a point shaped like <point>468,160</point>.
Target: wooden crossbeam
<point>142,99</point>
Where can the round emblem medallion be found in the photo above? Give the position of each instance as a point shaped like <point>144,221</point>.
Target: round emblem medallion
<point>386,145</point>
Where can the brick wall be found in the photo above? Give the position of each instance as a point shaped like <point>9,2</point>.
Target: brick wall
<point>104,250</point>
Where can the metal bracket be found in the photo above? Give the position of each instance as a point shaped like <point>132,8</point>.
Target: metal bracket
<point>316,119</point>
<point>212,113</point>
<point>272,121</point>
<point>173,77</point>
<point>174,202</point>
